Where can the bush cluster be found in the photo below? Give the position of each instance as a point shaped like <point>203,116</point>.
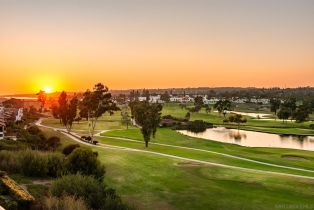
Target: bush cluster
<point>94,193</point>
<point>34,138</point>
<point>84,161</point>
<point>64,203</point>
<point>32,163</point>
<point>11,145</point>
<point>198,126</point>
<point>69,149</point>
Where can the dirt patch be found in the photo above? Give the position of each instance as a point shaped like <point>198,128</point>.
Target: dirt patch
<point>42,182</point>
<point>294,157</point>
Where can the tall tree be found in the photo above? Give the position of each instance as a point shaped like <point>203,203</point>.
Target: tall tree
<point>274,105</point>
<point>223,106</point>
<point>283,113</point>
<point>291,106</point>
<point>147,116</point>
<point>198,101</point>
<point>238,119</point>
<point>97,102</point>
<point>302,113</point>
<point>42,97</point>
<point>125,119</point>
<point>67,110</point>
<point>165,97</point>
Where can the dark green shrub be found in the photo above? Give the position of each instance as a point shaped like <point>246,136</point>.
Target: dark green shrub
<point>64,203</point>
<point>11,145</point>
<point>312,126</point>
<point>70,148</point>
<point>198,126</point>
<point>84,161</point>
<point>54,164</point>
<point>95,194</point>
<point>80,186</point>
<point>52,143</point>
<point>34,130</point>
<point>31,162</point>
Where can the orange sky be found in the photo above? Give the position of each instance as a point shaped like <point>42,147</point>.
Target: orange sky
<point>136,44</point>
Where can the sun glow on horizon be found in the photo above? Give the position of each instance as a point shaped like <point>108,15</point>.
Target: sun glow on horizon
<point>48,89</point>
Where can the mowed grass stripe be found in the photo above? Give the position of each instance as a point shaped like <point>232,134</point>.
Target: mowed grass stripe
<point>198,155</point>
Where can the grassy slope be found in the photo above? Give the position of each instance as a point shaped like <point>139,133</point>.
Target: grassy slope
<point>106,122</point>
<point>270,155</point>
<point>153,182</point>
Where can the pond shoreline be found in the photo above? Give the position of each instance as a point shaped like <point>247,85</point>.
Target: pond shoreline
<point>251,138</point>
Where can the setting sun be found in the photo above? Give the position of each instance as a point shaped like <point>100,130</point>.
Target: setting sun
<point>48,89</point>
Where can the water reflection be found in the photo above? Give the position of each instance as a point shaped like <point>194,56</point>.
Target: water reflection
<point>237,135</point>
<point>255,139</point>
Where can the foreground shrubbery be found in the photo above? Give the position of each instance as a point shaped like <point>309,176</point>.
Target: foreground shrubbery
<point>32,163</point>
<point>39,164</point>
<point>312,126</point>
<point>35,139</point>
<point>12,145</point>
<point>84,161</point>
<point>93,192</point>
<point>64,203</point>
<point>13,196</point>
<point>69,149</point>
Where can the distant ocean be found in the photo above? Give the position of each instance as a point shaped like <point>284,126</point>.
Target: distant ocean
<point>20,97</point>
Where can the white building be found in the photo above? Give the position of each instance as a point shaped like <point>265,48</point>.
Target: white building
<point>181,99</point>
<point>9,114</point>
<point>2,128</point>
<point>152,99</point>
<point>210,101</point>
<point>260,100</point>
<point>19,115</point>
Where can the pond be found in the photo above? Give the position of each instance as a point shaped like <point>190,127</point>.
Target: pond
<point>254,139</point>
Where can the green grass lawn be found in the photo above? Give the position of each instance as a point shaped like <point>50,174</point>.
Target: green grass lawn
<point>152,182</point>
<point>149,181</point>
<point>270,155</point>
<point>106,122</point>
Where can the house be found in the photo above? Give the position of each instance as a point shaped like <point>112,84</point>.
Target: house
<point>260,100</point>
<point>181,99</point>
<point>210,100</point>
<point>8,115</point>
<point>152,99</point>
<point>2,128</point>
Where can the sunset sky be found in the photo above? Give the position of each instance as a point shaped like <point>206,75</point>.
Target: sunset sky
<point>72,44</point>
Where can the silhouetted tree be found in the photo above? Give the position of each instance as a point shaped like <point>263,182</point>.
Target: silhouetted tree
<point>67,110</point>
<point>125,119</point>
<point>283,113</point>
<point>302,113</point>
<point>274,105</point>
<point>238,119</point>
<point>41,97</point>
<point>223,106</point>
<point>198,101</point>
<point>165,97</point>
<point>97,102</point>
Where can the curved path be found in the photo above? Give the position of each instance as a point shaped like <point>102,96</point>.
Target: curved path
<point>76,138</point>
